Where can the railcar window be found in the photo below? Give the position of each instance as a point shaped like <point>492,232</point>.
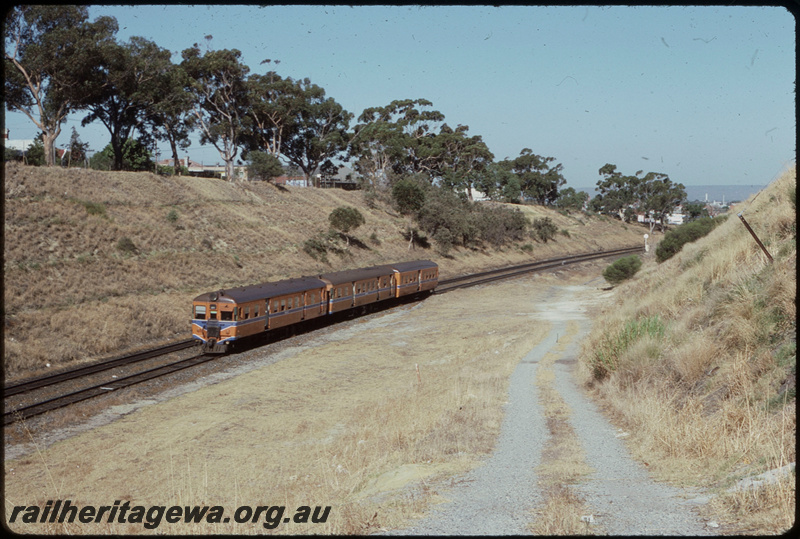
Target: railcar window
<point>200,312</point>
<point>283,305</point>
<point>255,312</point>
<point>246,313</point>
<point>226,315</point>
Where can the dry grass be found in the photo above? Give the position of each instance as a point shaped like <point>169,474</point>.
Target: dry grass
<point>768,509</point>
<point>711,398</point>
<point>64,271</point>
<point>346,420</point>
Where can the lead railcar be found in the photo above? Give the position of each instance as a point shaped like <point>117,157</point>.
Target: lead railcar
<point>221,318</point>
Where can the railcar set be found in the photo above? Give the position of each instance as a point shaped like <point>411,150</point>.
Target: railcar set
<point>223,317</point>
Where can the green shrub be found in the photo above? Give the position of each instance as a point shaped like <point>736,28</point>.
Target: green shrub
<point>444,241</point>
<point>606,355</point>
<point>172,216</point>
<point>622,269</point>
<point>444,210</point>
<point>92,208</point>
<point>126,245</point>
<point>675,239</point>
<point>263,166</point>
<point>543,229</point>
<point>498,225</point>
<point>316,249</point>
<point>345,219</point>
<point>408,195</point>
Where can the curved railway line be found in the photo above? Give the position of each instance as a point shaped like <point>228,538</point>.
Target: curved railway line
<point>49,401</point>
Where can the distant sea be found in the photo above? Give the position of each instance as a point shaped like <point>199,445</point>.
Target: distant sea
<point>730,193</point>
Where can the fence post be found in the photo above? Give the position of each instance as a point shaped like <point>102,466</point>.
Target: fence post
<point>758,241</point>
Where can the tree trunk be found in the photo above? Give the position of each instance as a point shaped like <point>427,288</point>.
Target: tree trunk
<point>176,161</point>
<point>49,142</point>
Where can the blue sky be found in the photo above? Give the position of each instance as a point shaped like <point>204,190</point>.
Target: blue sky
<point>703,94</point>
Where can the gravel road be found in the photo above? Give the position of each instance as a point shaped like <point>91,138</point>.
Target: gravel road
<point>499,497</point>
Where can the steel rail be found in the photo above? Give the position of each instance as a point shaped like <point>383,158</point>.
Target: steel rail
<point>539,263</point>
<point>104,365</point>
<point>515,271</point>
<point>54,403</point>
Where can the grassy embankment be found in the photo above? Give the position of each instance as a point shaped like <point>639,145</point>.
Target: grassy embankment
<point>97,262</point>
<point>697,359</point>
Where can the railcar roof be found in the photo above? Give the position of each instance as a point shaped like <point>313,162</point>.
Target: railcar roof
<point>244,294</point>
<point>414,265</point>
<point>348,276</point>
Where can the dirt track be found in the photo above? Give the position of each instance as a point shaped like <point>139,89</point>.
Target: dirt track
<point>502,496</point>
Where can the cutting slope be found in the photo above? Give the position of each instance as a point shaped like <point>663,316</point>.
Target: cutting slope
<point>100,261</point>
<point>697,359</point>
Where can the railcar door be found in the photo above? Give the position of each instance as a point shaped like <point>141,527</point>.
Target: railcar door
<point>213,322</point>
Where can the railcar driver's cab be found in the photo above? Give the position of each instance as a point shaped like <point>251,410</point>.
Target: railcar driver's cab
<point>208,316</point>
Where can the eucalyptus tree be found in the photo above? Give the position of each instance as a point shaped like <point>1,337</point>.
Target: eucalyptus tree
<point>461,159</point>
<point>539,181</point>
<point>274,104</point>
<point>217,82</point>
<point>653,194</point>
<point>319,131</point>
<point>571,199</point>
<point>499,183</point>
<point>398,136</point>
<point>170,118</point>
<point>616,192</point>
<point>48,60</point>
<point>658,197</point>
<point>130,79</point>
<point>376,146</point>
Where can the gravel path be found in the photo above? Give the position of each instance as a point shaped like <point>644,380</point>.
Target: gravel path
<point>495,499</point>
<point>498,498</point>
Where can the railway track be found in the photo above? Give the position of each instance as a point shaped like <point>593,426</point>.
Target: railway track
<point>475,279</point>
<point>50,379</point>
<point>18,412</point>
<point>104,388</point>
